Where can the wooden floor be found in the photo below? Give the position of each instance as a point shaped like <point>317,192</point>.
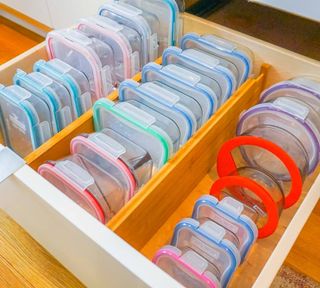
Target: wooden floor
<point>18,264</point>
<point>14,40</point>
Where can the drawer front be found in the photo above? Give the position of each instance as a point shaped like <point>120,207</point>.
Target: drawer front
<point>182,180</point>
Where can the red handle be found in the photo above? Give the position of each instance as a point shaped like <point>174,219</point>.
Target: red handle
<point>270,205</point>
<point>226,164</point>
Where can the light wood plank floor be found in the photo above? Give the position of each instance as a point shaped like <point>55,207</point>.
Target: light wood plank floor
<point>14,41</point>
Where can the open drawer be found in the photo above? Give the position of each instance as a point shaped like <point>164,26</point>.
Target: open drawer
<point>148,220</point>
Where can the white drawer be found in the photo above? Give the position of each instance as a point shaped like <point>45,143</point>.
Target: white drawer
<point>71,234</point>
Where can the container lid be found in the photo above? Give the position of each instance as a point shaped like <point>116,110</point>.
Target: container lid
<point>153,73</point>
<point>136,158</point>
<point>65,178</point>
<point>208,66</point>
<point>125,120</point>
<point>185,77</point>
<point>228,214</point>
<point>292,121</point>
<point>73,80</point>
<point>234,63</point>
<point>130,16</point>
<point>187,267</point>
<point>89,55</point>
<point>188,234</point>
<point>177,125</point>
<point>103,156</point>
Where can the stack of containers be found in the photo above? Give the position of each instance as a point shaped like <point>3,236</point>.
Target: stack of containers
<point>261,173</point>
<point>151,120</point>
<point>86,63</point>
<point>40,104</point>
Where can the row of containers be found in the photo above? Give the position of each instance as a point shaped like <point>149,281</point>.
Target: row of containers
<point>86,63</point>
<point>261,172</point>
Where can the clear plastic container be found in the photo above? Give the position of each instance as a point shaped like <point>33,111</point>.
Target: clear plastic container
<point>138,126</point>
<point>166,13</point>
<point>99,192</point>
<point>287,124</point>
<point>124,41</point>
<point>146,24</point>
<point>213,74</point>
<point>75,82</point>
<point>186,82</point>
<point>136,158</point>
<point>304,88</point>
<point>210,241</point>
<point>54,94</point>
<point>295,95</point>
<point>168,104</point>
<point>25,118</point>
<point>106,155</point>
<point>228,213</point>
<point>240,59</point>
<point>87,54</point>
<point>187,267</point>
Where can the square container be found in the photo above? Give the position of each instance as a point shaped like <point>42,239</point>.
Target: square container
<point>186,82</point>
<point>75,81</point>
<point>136,125</point>
<point>125,42</point>
<point>144,23</point>
<point>55,95</point>
<point>213,73</point>
<point>228,213</point>
<point>138,160</point>
<point>25,120</point>
<point>165,102</point>
<point>87,54</point>
<point>187,267</point>
<point>238,58</point>
<point>96,190</point>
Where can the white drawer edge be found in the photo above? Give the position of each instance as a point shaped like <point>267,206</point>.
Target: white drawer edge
<point>289,237</point>
<point>44,212</point>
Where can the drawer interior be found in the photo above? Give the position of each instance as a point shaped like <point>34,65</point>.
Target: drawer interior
<point>148,220</point>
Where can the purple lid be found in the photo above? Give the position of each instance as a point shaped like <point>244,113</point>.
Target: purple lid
<point>269,114</point>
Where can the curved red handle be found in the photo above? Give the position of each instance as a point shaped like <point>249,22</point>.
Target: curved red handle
<point>270,205</point>
<point>226,164</point>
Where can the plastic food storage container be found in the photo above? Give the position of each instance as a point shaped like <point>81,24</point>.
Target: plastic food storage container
<point>167,15</point>
<point>307,89</point>
<point>164,101</point>
<point>296,95</point>
<point>89,55</point>
<point>136,158</point>
<point>75,81</point>
<point>125,42</point>
<point>163,122</point>
<point>288,124</point>
<point>238,57</point>
<point>186,82</point>
<point>210,241</point>
<point>97,191</point>
<point>187,267</point>
<point>230,214</point>
<point>213,74</point>
<point>106,155</point>
<point>144,23</point>
<point>25,119</point>
<point>54,94</point>
<point>137,126</point>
